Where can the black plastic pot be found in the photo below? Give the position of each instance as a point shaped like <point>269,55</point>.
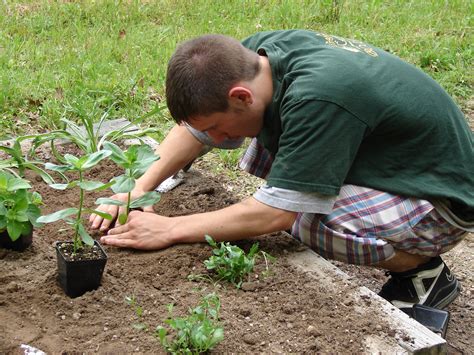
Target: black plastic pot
<point>76,277</point>
<point>18,245</point>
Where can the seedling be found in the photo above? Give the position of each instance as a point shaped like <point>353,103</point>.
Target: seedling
<point>133,302</point>
<point>230,262</point>
<point>197,333</point>
<point>80,166</point>
<point>19,208</point>
<point>135,161</point>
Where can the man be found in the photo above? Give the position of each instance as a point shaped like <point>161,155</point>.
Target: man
<point>367,160</point>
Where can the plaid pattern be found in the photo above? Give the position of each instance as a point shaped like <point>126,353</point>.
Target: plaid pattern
<point>256,160</point>
<point>366,225</point>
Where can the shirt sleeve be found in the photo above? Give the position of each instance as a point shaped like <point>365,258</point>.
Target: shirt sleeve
<point>318,144</point>
<point>295,201</point>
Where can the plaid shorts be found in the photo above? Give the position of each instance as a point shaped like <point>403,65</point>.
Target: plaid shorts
<point>366,225</point>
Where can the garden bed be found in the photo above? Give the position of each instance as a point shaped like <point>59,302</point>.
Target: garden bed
<point>288,310</point>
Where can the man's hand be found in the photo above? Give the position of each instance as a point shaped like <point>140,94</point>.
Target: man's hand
<point>97,222</point>
<point>147,231</point>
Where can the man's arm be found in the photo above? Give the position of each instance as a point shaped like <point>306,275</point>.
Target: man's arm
<point>247,218</point>
<point>178,149</point>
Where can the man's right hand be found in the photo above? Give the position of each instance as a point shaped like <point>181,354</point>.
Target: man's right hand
<point>98,222</point>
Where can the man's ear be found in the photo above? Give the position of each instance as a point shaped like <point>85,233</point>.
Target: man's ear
<point>241,95</point>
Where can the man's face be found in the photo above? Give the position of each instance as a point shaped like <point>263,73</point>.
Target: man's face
<point>229,125</point>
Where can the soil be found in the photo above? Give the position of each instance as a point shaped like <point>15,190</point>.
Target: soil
<point>279,312</point>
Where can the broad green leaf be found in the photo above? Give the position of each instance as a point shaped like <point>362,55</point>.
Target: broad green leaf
<point>63,186</point>
<point>94,158</point>
<point>94,185</point>
<point>109,201</point>
<point>100,213</point>
<point>33,212</point>
<point>58,215</point>
<point>26,228</point>
<point>123,184</point>
<point>14,230</point>
<point>3,223</point>
<point>21,216</point>
<point>217,336</point>
<point>48,179</point>
<point>15,184</point>
<point>147,199</point>
<point>58,168</point>
<point>118,155</point>
<point>71,159</point>
<point>35,198</point>
<point>86,238</point>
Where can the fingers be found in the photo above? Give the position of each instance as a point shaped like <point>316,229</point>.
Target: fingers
<point>97,222</point>
<point>119,229</point>
<point>122,241</point>
<point>148,209</point>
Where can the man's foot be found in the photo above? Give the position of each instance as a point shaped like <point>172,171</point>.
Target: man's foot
<point>431,284</point>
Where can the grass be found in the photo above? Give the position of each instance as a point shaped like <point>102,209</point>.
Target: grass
<point>58,58</point>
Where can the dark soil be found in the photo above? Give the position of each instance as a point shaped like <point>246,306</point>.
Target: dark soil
<point>285,311</point>
<point>87,252</point>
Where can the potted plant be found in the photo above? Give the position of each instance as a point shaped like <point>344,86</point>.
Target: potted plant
<point>19,210</point>
<point>135,160</point>
<point>81,261</point>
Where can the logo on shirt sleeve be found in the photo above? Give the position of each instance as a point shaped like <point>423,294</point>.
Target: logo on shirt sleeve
<point>351,45</point>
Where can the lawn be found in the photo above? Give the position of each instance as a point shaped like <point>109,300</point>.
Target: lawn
<point>71,59</point>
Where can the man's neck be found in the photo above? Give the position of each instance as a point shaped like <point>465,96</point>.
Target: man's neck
<point>264,82</point>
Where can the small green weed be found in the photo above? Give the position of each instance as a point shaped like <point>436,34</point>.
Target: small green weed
<point>197,333</point>
<point>230,262</point>
<point>133,302</point>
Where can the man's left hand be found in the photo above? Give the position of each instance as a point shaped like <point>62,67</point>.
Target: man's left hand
<point>143,230</point>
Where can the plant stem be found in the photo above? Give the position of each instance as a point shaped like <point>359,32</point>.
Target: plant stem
<point>77,241</point>
<point>129,198</point>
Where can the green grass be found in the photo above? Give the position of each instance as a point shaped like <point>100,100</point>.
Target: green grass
<point>58,58</point>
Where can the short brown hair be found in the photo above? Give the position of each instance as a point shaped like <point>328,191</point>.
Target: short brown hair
<point>202,71</point>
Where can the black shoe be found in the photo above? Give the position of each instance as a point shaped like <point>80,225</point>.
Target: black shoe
<point>431,284</point>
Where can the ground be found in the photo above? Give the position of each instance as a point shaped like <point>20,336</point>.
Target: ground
<point>285,311</point>
<point>282,311</point>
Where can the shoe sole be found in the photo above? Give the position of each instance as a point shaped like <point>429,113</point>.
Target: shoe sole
<point>449,298</point>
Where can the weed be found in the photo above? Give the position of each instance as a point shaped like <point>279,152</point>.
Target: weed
<point>230,263</point>
<point>197,333</point>
<point>137,308</point>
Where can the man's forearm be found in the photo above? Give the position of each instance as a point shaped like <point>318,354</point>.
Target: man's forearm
<point>178,149</point>
<point>244,219</point>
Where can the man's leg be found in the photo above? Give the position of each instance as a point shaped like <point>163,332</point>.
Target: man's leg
<point>402,261</point>
<point>404,236</point>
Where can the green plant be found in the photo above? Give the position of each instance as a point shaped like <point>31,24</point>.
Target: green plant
<point>20,161</point>
<point>78,165</point>
<point>89,137</point>
<point>230,262</point>
<point>197,333</point>
<point>133,302</point>
<point>19,208</point>
<point>135,160</point>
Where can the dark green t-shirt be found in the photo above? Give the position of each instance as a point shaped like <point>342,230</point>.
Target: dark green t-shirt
<point>346,112</point>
